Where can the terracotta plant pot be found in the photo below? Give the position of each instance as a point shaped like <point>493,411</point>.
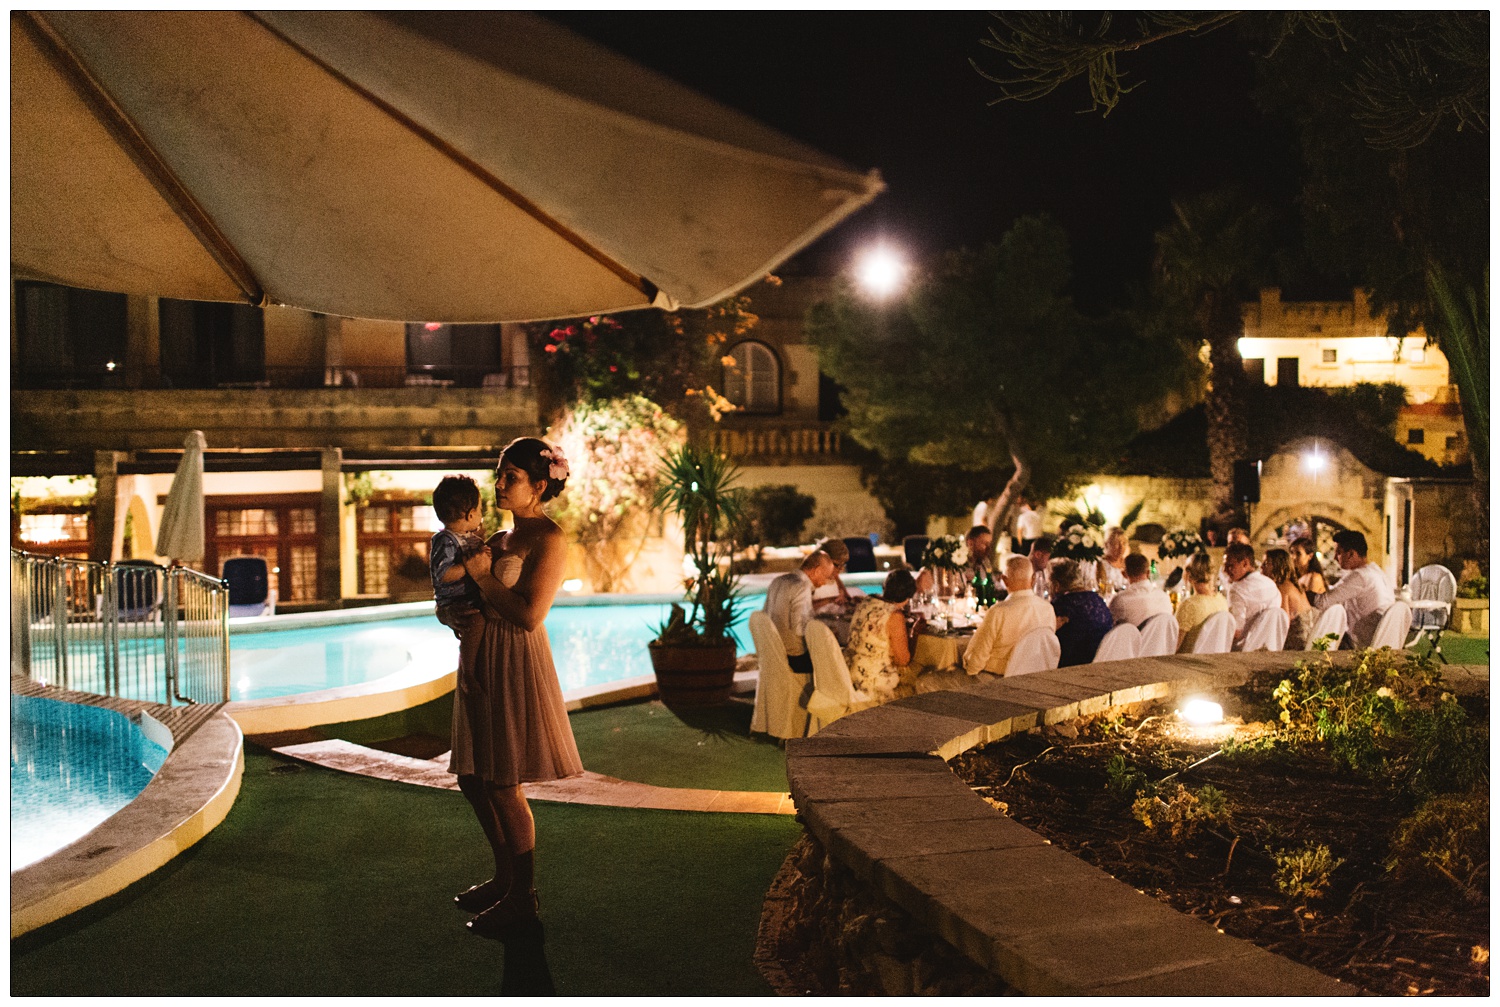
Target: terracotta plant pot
<point>695,675</point>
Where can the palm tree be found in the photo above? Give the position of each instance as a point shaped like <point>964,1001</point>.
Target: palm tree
<point>1209,261</point>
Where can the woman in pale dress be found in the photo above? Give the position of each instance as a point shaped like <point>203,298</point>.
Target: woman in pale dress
<point>880,643</point>
<point>1111,576</point>
<point>1277,565</point>
<point>1203,602</point>
<point>509,723</point>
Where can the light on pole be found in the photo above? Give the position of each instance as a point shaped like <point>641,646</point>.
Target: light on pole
<point>881,271</point>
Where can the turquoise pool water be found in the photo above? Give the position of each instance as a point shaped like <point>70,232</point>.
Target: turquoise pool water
<point>71,767</point>
<point>591,645</point>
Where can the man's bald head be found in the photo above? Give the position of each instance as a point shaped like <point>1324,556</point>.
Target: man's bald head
<point>1018,574</point>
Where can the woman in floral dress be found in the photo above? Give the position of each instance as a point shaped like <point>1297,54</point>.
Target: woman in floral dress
<point>880,644</point>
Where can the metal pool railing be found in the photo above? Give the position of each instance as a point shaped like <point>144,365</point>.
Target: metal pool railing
<point>134,630</point>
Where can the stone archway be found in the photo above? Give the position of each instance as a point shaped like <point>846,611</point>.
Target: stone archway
<point>1319,479</point>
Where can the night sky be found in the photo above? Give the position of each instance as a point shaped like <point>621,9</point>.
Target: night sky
<point>895,91</point>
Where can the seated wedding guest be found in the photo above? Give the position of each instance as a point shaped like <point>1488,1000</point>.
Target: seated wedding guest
<point>834,595</point>
<point>881,642</point>
<point>1308,567</point>
<point>1250,591</point>
<point>789,604</point>
<point>1040,555</point>
<point>1363,590</point>
<point>980,542</point>
<point>1082,616</point>
<point>1140,599</point>
<point>1004,624</point>
<point>1239,535</point>
<point>1277,564</point>
<point>1198,606</point>
<point>1112,566</point>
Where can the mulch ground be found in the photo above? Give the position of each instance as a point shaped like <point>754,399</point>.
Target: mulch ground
<point>1387,936</point>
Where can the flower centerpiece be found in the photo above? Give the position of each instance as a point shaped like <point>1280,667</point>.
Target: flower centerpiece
<point>1083,542</point>
<point>946,552</point>
<point>946,556</point>
<point>1176,544</point>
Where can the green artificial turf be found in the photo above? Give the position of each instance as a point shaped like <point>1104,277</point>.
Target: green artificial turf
<point>708,749</point>
<point>1463,649</point>
<point>324,883</point>
<point>711,749</point>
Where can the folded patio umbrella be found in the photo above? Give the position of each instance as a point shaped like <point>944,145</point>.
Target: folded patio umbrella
<point>181,534</point>
<point>444,166</point>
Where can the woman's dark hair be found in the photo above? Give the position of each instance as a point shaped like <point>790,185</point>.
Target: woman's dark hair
<point>526,454</point>
<point>899,586</point>
<point>1314,565</point>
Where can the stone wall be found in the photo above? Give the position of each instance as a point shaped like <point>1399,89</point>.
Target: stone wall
<point>350,418</point>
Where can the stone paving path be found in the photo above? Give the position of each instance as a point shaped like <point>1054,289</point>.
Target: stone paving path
<point>590,788</point>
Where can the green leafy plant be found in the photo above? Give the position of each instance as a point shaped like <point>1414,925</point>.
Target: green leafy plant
<point>1386,715</point>
<point>1123,781</point>
<point>696,485</point>
<point>1181,811</point>
<point>1446,838</point>
<point>1474,587</point>
<point>1303,873</point>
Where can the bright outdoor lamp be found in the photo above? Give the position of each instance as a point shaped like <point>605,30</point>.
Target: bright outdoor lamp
<point>1315,461</point>
<point>880,271</point>
<point>1201,711</point>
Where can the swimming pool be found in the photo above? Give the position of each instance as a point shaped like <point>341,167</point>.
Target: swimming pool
<point>591,645</point>
<point>71,767</point>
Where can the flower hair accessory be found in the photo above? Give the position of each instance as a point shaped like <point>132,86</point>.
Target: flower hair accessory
<point>557,464</point>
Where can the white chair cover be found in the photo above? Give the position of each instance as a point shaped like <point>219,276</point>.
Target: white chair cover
<point>1436,583</point>
<point>1216,635</point>
<point>833,693</point>
<point>1120,644</point>
<point>1333,621</point>
<point>1159,636</point>
<point>1395,623</point>
<point>778,695</point>
<point>1267,630</point>
<point>1038,650</point>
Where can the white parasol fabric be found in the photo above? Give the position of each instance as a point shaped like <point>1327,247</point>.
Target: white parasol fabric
<point>181,534</point>
<point>444,166</point>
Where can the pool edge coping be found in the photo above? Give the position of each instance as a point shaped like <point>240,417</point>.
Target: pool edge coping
<point>182,793</point>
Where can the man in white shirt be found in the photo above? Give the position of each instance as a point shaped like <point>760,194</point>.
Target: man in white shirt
<point>790,606</point>
<point>1363,590</point>
<point>1140,599</point>
<point>1004,624</point>
<point>1250,591</point>
<point>1028,527</point>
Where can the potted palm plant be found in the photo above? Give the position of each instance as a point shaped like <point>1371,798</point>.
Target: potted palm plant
<point>693,654</point>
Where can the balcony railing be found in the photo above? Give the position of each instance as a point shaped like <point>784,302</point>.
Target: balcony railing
<point>105,376</point>
<point>778,441</point>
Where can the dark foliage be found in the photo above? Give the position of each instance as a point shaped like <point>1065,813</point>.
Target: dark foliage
<point>775,516</point>
<point>1357,418</point>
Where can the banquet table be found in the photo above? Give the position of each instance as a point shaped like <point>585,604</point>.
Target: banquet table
<point>939,650</point>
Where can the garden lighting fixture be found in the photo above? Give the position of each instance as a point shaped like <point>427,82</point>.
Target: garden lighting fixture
<point>1202,712</point>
